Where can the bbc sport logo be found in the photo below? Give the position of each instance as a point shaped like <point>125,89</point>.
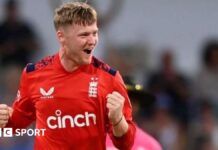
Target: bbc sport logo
<point>8,132</point>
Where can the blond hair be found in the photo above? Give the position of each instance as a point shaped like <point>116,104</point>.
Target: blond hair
<point>74,13</point>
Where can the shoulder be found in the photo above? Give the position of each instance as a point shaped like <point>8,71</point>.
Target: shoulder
<point>31,67</point>
<point>103,66</point>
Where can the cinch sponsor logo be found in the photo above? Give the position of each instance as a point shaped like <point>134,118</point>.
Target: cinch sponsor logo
<point>79,120</point>
<point>8,132</point>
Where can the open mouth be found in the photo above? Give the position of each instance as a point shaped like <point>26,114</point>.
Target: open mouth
<point>87,51</point>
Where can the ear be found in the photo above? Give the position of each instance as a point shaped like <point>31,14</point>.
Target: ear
<point>60,36</point>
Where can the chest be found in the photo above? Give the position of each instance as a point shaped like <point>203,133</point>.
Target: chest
<point>69,94</point>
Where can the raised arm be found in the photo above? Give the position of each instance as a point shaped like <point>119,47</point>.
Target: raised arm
<point>122,129</point>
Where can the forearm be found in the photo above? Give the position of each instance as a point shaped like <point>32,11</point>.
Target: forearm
<point>125,140</point>
<point>18,120</point>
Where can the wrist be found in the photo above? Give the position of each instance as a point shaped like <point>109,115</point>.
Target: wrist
<point>116,118</point>
<point>121,128</point>
<point>117,122</point>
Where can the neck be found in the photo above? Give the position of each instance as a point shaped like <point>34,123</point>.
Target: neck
<point>68,64</point>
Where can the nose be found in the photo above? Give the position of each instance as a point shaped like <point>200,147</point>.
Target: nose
<point>93,39</point>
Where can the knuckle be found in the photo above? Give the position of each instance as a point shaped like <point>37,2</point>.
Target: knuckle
<point>4,112</point>
<point>107,105</point>
<point>3,106</point>
<point>120,102</point>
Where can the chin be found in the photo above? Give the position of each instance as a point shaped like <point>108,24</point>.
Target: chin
<point>87,61</point>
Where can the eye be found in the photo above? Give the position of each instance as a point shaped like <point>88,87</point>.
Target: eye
<point>95,33</point>
<point>84,34</point>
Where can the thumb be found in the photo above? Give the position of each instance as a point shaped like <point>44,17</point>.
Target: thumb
<point>10,111</point>
<point>109,113</point>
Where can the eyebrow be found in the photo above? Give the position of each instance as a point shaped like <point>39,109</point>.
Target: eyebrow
<point>95,31</point>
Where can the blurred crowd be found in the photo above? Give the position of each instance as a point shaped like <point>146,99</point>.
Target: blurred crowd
<point>177,109</point>
<point>18,45</point>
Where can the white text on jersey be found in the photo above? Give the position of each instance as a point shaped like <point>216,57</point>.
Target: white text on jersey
<point>79,120</point>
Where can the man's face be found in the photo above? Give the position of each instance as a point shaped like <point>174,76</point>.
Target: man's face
<point>79,41</point>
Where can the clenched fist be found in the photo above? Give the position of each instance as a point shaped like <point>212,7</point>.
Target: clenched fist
<point>5,113</point>
<point>115,103</point>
